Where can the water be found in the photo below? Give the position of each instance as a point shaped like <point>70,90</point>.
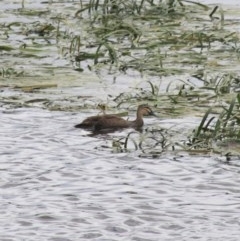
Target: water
<point>230,2</point>
<point>60,184</point>
<point>56,185</point>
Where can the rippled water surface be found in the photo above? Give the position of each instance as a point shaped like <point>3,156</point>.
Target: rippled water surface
<point>60,184</point>
<point>57,185</point>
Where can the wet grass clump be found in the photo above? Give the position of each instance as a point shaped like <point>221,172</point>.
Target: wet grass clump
<point>215,132</point>
<point>158,38</point>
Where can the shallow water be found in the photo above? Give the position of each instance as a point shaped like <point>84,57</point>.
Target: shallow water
<point>57,185</point>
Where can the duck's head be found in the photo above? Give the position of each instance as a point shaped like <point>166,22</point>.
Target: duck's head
<point>145,110</point>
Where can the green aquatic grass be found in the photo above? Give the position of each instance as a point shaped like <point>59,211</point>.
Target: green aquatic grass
<point>136,26</point>
<point>10,72</point>
<point>217,128</point>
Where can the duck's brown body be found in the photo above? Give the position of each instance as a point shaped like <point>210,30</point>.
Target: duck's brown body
<point>115,122</point>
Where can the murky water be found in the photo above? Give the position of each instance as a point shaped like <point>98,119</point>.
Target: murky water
<point>56,185</point>
<point>60,184</point>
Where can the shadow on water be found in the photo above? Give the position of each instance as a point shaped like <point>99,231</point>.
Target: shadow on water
<point>105,132</point>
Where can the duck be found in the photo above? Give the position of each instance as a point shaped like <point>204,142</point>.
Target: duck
<point>109,121</point>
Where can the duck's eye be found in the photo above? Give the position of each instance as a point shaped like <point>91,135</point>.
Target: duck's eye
<point>148,110</point>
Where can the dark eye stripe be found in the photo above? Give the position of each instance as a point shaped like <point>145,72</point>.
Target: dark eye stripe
<point>148,109</point>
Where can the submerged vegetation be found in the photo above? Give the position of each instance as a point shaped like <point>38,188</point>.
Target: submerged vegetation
<point>190,47</point>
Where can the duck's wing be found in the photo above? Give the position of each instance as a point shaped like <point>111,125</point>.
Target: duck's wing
<point>111,122</point>
<point>89,122</point>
